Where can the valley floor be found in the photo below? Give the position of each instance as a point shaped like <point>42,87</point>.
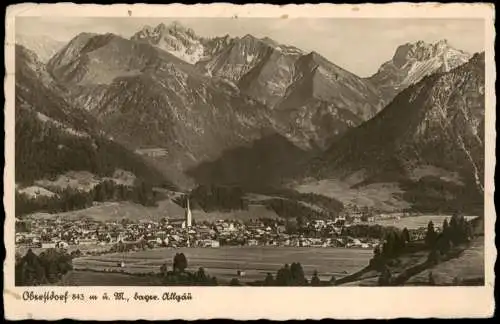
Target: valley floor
<point>222,263</point>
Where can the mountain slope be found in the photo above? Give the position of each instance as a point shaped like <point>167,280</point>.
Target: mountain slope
<point>312,99</point>
<point>148,98</point>
<point>412,62</point>
<point>261,68</point>
<point>53,137</point>
<point>324,100</point>
<point>44,46</point>
<point>436,124</point>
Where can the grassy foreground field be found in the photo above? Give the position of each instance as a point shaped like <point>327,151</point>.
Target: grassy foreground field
<point>225,261</point>
<point>468,267</point>
<point>90,278</point>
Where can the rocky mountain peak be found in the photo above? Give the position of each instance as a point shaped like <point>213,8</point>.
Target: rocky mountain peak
<point>421,51</point>
<point>175,39</point>
<point>269,41</point>
<point>412,62</point>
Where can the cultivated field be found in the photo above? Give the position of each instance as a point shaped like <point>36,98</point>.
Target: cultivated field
<point>417,221</point>
<point>224,262</point>
<point>383,196</point>
<point>90,278</point>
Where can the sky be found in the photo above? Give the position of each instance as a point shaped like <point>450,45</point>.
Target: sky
<point>359,45</point>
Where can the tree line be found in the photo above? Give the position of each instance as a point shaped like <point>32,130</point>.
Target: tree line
<point>291,275</point>
<point>179,276</point>
<point>292,204</point>
<point>455,232</point>
<point>44,150</point>
<point>68,199</point>
<point>368,230</point>
<point>295,209</point>
<point>331,206</point>
<point>431,194</point>
<point>46,268</point>
<point>214,198</point>
<point>288,275</point>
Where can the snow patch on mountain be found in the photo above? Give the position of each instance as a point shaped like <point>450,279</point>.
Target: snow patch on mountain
<point>45,119</point>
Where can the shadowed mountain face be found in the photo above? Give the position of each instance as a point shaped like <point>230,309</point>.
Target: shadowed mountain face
<point>439,122</point>
<point>263,163</point>
<point>53,137</point>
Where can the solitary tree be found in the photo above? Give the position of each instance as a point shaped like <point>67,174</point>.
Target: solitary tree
<point>200,275</point>
<point>430,236</point>
<point>234,282</point>
<point>433,257</point>
<point>443,243</point>
<point>406,235</point>
<point>315,279</point>
<point>298,276</point>
<point>445,225</point>
<point>284,276</point>
<point>180,262</point>
<point>432,282</point>
<point>164,269</point>
<point>269,281</point>
<point>385,277</point>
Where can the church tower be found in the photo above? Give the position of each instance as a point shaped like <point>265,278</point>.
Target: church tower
<point>189,216</point>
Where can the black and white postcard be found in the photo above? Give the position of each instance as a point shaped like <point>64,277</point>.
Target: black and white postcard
<point>215,161</point>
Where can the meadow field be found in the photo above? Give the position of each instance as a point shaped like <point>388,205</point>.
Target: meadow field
<point>224,262</point>
<point>468,266</point>
<point>91,278</point>
<point>116,211</point>
<point>414,222</point>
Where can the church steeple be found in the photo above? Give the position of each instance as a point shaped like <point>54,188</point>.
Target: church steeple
<point>188,215</point>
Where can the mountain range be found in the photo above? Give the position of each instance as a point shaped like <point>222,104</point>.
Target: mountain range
<point>250,111</point>
<point>430,138</point>
<point>44,46</point>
